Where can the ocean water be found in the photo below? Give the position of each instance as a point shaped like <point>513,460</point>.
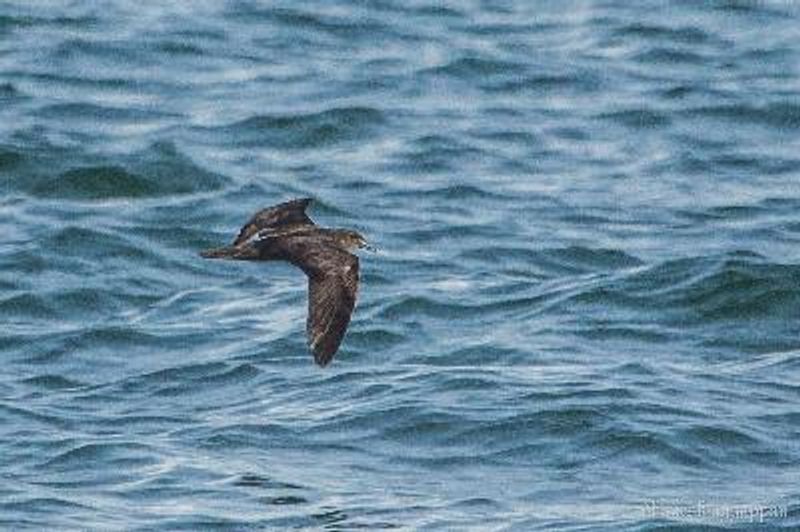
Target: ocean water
<point>585,311</point>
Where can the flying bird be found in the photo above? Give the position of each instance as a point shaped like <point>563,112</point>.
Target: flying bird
<point>285,232</point>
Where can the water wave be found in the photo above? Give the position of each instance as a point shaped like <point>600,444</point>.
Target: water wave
<point>585,295</point>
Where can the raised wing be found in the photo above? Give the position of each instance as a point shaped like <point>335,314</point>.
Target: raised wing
<point>290,213</point>
<point>332,290</point>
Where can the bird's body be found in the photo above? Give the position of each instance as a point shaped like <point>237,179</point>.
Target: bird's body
<point>284,232</point>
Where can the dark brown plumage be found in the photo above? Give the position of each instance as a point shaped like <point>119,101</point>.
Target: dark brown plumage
<point>285,232</point>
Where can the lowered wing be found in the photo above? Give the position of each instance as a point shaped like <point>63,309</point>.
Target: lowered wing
<point>332,290</point>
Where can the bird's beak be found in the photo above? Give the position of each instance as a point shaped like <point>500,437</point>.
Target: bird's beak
<point>366,246</point>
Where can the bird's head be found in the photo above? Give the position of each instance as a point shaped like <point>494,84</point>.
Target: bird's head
<point>353,240</point>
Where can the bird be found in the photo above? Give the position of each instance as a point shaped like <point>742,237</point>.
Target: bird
<point>284,232</point>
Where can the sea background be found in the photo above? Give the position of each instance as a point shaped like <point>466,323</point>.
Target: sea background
<point>585,310</point>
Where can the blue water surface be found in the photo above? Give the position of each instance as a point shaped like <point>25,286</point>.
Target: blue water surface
<point>585,311</point>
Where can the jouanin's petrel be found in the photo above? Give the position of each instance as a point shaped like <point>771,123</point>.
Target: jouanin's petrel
<point>285,232</point>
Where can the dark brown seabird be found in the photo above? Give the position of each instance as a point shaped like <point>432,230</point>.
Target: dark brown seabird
<point>285,232</point>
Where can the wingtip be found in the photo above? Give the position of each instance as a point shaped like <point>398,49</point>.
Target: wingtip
<point>322,358</point>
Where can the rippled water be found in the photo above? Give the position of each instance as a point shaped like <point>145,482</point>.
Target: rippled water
<point>584,314</point>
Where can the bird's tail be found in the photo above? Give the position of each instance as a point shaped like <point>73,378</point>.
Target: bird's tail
<point>228,252</point>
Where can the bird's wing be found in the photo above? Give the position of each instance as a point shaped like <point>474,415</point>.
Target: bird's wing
<point>290,213</point>
<point>332,290</point>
